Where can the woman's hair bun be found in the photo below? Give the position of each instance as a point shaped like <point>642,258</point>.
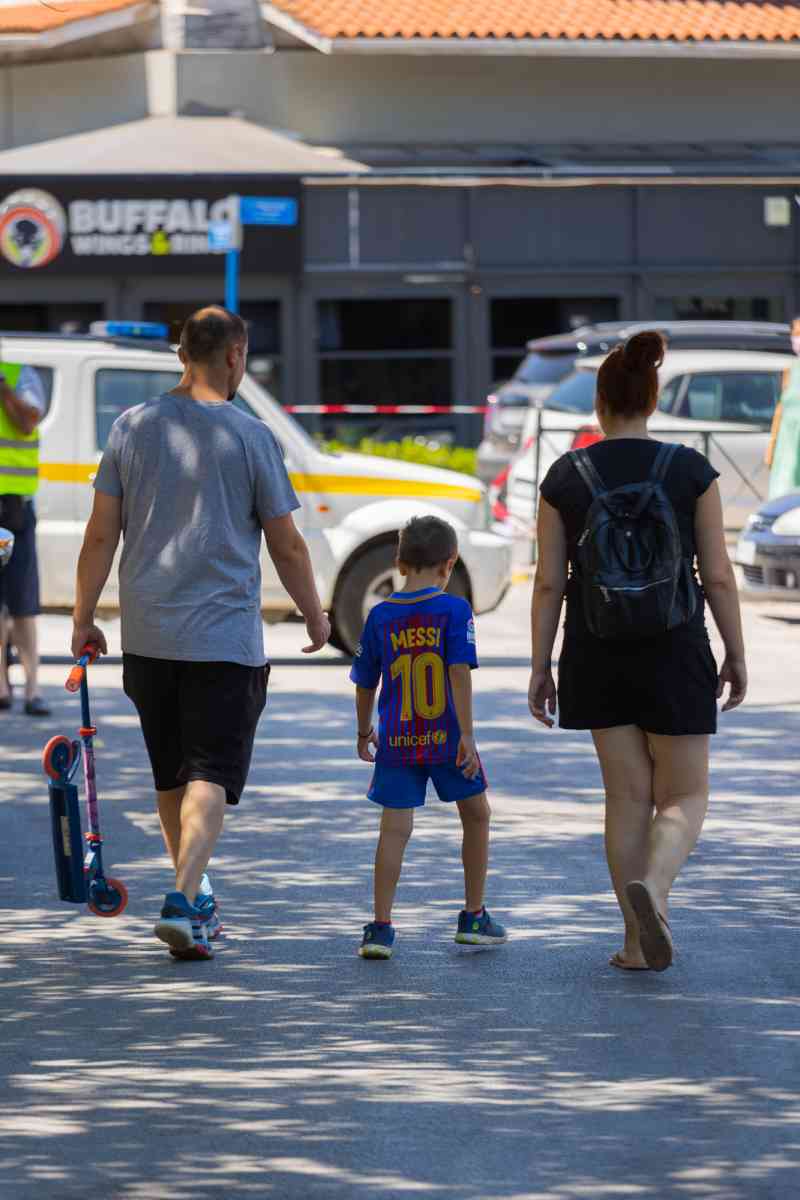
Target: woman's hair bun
<point>644,351</point>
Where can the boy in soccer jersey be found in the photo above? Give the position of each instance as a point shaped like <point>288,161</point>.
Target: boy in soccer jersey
<point>420,644</point>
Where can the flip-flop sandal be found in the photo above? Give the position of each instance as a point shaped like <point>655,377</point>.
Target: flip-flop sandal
<point>654,931</point>
<point>619,962</point>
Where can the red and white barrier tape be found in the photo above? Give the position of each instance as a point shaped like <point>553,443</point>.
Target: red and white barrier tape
<point>392,410</point>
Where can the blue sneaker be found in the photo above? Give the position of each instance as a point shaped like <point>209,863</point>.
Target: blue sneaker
<point>183,928</point>
<point>206,902</point>
<point>479,930</point>
<point>377,942</point>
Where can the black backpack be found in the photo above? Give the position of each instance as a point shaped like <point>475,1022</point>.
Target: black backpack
<point>634,578</point>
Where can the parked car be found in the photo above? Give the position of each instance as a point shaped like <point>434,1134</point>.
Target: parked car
<point>768,550</point>
<point>352,506</point>
<point>550,360</point>
<point>720,402</point>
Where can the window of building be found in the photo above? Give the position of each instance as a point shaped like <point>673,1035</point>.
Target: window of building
<point>116,389</point>
<point>515,320</point>
<point>719,308</point>
<point>394,352</point>
<point>49,318</point>
<point>263,319</point>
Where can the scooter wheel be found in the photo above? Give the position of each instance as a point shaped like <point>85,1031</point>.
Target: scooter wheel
<point>108,898</point>
<point>57,757</point>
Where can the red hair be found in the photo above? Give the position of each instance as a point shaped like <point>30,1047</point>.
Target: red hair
<point>628,379</point>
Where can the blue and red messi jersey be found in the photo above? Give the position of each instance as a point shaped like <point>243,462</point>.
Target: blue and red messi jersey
<point>408,643</point>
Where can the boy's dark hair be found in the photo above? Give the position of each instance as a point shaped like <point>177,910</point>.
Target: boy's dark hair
<point>426,542</point>
<point>208,332</point>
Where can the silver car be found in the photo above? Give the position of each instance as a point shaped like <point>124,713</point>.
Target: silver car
<point>719,401</point>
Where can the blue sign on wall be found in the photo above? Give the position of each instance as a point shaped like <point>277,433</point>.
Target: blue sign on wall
<point>268,210</point>
<point>221,237</point>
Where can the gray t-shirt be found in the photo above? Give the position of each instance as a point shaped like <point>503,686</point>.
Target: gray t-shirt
<point>196,480</point>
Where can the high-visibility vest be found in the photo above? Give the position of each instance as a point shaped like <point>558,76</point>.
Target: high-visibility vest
<point>19,452</point>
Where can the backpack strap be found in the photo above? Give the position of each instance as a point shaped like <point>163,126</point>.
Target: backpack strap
<point>588,472</point>
<point>666,453</point>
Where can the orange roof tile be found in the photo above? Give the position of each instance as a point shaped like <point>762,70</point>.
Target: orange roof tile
<point>40,18</point>
<point>659,20</point>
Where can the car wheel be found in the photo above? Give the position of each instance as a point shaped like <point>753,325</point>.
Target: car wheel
<point>368,581</point>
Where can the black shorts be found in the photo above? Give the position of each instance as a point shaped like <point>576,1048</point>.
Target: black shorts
<point>665,685</point>
<point>198,718</point>
<point>19,581</point>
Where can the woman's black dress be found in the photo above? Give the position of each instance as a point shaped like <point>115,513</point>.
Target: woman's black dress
<point>665,684</point>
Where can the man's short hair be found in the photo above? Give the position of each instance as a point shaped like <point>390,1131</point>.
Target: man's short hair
<point>208,333</point>
<point>426,542</point>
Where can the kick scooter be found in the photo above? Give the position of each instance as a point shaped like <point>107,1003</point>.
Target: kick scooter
<point>81,878</point>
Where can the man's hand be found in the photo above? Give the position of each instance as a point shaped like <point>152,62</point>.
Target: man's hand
<point>363,746</point>
<point>467,758</point>
<point>87,634</point>
<point>319,630</point>
<point>542,697</point>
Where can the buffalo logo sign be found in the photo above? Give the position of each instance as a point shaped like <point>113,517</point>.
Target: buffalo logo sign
<point>33,226</point>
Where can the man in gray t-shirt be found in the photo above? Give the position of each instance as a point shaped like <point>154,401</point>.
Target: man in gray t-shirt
<point>191,483</point>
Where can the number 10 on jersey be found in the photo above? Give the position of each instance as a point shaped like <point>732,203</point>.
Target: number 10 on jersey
<point>423,683</point>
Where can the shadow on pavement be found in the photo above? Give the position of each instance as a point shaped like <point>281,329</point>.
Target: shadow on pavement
<point>287,1067</point>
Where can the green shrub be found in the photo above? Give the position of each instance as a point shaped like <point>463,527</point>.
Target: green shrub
<point>427,454</point>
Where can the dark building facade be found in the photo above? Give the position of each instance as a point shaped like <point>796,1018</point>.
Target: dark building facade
<point>408,289</point>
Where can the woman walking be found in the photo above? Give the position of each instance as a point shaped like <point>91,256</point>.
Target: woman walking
<point>649,700</point>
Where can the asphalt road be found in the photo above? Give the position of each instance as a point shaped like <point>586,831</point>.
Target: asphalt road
<point>289,1068</point>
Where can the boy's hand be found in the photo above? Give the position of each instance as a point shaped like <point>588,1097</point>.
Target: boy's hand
<point>467,758</point>
<point>542,697</point>
<point>363,744</point>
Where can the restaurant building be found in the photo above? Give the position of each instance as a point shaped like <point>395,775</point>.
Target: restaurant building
<point>461,184</point>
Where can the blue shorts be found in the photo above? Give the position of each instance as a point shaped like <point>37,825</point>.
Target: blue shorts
<point>19,581</point>
<point>405,787</point>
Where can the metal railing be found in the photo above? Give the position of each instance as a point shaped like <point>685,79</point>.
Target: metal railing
<point>706,440</point>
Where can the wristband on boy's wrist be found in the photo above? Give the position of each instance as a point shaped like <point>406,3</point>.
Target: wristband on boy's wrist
<point>363,736</point>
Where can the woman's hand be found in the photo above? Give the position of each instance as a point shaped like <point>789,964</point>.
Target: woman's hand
<point>733,672</point>
<point>542,697</point>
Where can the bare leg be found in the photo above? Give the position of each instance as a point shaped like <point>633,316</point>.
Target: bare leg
<point>169,814</point>
<point>396,826</point>
<point>475,813</point>
<point>25,640</point>
<point>681,798</point>
<point>627,768</point>
<point>202,813</point>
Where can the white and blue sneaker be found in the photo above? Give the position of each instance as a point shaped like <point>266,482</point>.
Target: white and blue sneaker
<point>206,902</point>
<point>478,929</point>
<point>183,928</point>
<point>377,942</point>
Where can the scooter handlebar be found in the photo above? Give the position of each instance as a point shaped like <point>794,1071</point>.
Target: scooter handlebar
<point>88,656</point>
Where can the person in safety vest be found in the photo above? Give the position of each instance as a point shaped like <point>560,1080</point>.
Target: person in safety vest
<point>783,452</point>
<point>23,404</point>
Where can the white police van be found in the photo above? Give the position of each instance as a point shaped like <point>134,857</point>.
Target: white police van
<point>352,505</point>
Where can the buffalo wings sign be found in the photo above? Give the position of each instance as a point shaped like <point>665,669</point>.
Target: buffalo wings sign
<point>95,225</point>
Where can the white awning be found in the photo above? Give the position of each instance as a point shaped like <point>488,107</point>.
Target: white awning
<point>178,146</point>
